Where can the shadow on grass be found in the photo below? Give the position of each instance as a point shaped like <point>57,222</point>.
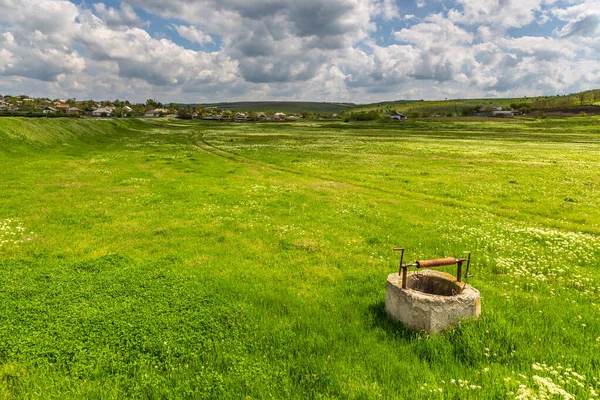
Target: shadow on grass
<point>377,318</point>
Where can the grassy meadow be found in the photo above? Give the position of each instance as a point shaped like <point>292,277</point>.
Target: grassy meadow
<point>188,259</point>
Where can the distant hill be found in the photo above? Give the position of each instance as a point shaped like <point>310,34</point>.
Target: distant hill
<point>561,104</point>
<point>287,107</point>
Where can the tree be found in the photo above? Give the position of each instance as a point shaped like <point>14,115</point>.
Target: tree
<point>152,103</point>
<point>185,113</point>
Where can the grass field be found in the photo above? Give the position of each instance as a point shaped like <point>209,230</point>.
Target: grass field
<point>440,107</point>
<point>171,259</point>
<point>572,104</point>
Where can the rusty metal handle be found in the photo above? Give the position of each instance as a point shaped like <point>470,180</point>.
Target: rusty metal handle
<point>440,262</point>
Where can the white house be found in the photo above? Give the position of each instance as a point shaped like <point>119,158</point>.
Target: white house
<point>279,116</point>
<point>49,110</point>
<point>397,116</point>
<point>102,112</point>
<point>161,112</point>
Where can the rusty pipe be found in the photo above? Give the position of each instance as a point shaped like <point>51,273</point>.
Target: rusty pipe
<point>440,262</point>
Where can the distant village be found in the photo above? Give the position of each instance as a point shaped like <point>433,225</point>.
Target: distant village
<point>40,107</point>
<point>26,106</point>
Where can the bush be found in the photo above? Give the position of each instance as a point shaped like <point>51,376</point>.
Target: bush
<point>184,113</point>
<point>525,108</point>
<point>364,116</point>
<point>469,110</point>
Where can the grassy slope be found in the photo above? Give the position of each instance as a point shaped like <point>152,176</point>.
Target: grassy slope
<point>439,106</point>
<point>456,106</point>
<point>215,260</point>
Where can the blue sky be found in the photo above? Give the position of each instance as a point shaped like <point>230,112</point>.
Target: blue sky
<point>321,50</point>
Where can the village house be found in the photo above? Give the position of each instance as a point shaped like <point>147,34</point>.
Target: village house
<point>73,111</point>
<point>49,110</point>
<point>161,112</point>
<point>261,116</point>
<point>397,116</point>
<point>279,116</point>
<point>240,117</point>
<point>157,112</point>
<point>102,112</point>
<point>61,106</point>
<point>502,113</point>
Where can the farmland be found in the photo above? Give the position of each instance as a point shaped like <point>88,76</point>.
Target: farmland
<point>191,259</point>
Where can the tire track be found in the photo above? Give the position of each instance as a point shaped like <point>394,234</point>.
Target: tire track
<point>511,214</point>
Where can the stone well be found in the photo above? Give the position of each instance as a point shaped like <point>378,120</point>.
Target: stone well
<point>431,302</point>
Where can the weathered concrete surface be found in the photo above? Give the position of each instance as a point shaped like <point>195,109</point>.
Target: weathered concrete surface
<point>422,311</point>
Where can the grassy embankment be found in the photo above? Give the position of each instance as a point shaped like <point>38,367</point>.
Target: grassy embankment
<point>188,259</point>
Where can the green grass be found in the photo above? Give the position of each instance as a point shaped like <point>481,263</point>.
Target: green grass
<point>459,106</point>
<point>441,107</point>
<point>172,259</point>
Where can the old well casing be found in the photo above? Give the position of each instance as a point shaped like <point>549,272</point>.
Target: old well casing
<point>432,300</point>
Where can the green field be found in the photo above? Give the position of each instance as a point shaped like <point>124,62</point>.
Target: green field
<point>453,107</point>
<point>172,259</point>
<point>440,107</point>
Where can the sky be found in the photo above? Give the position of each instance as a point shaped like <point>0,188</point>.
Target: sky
<point>357,51</point>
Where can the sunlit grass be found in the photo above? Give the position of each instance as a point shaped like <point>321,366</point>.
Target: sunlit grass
<point>205,260</point>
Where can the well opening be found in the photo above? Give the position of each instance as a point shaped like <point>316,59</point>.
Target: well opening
<point>432,284</point>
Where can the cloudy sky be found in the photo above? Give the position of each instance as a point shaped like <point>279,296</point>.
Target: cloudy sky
<point>322,50</point>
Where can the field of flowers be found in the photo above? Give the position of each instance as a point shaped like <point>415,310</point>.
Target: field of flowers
<point>172,259</point>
